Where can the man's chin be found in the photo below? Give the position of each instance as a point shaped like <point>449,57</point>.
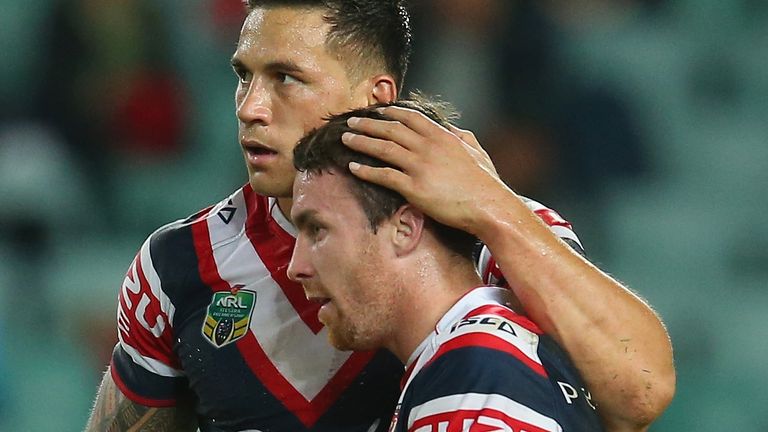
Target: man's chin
<point>338,340</point>
<point>270,187</point>
<point>349,343</point>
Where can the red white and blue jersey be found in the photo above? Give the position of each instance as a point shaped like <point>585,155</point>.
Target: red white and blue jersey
<point>486,368</point>
<point>207,313</point>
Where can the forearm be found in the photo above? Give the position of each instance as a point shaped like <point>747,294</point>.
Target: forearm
<point>113,412</point>
<point>615,340</point>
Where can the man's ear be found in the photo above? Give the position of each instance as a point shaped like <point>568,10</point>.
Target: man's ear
<point>383,89</point>
<point>409,228</point>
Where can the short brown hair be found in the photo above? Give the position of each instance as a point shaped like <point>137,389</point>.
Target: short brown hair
<point>369,32</point>
<point>322,151</point>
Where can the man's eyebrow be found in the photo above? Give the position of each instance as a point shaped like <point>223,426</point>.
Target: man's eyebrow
<point>286,66</point>
<point>303,218</point>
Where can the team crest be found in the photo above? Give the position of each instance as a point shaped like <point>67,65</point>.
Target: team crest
<point>229,316</point>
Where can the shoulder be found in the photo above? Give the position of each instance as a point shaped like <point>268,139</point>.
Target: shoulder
<point>489,365</point>
<point>218,223</point>
<point>485,370</point>
<point>231,211</point>
<point>172,251</point>
<point>494,329</point>
<point>488,339</point>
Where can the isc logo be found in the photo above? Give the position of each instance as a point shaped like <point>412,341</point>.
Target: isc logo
<point>231,301</point>
<point>498,322</point>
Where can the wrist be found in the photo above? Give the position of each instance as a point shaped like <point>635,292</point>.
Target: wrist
<point>497,220</point>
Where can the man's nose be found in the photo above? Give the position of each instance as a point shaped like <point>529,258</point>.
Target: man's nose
<point>255,105</point>
<point>299,269</point>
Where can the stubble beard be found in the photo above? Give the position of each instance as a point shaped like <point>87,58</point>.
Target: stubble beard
<point>375,321</point>
<point>363,334</point>
<point>372,319</point>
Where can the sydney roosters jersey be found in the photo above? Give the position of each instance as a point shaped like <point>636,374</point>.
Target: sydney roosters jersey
<point>207,313</point>
<point>486,368</point>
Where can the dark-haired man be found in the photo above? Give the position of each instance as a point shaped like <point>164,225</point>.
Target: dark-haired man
<point>389,276</point>
<point>211,330</point>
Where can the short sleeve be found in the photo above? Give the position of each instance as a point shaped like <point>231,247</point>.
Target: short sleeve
<point>144,366</point>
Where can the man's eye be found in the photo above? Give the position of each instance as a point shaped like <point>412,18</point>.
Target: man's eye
<point>242,74</point>
<point>287,79</point>
<point>316,231</point>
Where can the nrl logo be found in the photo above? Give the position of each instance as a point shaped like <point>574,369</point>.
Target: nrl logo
<point>229,316</point>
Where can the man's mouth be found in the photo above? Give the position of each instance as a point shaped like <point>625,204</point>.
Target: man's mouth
<point>320,300</point>
<point>253,146</point>
<point>257,152</point>
<point>323,307</point>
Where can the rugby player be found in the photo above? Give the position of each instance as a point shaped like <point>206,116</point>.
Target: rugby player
<point>213,334</point>
<point>389,276</point>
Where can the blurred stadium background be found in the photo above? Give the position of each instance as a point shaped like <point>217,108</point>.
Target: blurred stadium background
<point>644,122</point>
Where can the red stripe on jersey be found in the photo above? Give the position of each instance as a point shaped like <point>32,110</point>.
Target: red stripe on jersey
<point>206,263</point>
<point>275,247</point>
<point>155,403</point>
<point>139,336</point>
<point>308,412</point>
<point>551,218</point>
<point>508,314</point>
<point>488,270</point>
<point>453,421</point>
<point>492,269</point>
<point>344,377</point>
<point>485,340</point>
<point>202,214</point>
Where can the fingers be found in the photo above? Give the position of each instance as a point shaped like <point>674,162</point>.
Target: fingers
<point>391,130</point>
<point>384,150</point>
<point>410,135</point>
<point>389,178</point>
<point>474,146</point>
<point>414,120</point>
<point>466,136</point>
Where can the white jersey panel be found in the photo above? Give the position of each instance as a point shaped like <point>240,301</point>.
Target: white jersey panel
<point>480,402</point>
<point>286,345</point>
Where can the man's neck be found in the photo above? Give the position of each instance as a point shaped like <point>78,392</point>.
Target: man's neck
<point>427,299</point>
<point>284,204</point>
